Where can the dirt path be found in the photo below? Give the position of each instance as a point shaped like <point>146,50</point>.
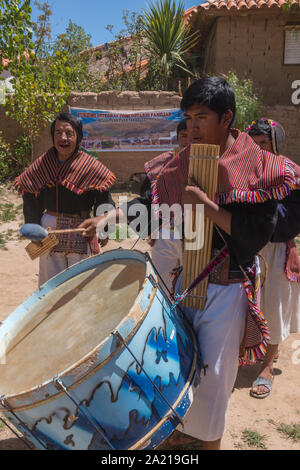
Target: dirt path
<point>260,418</point>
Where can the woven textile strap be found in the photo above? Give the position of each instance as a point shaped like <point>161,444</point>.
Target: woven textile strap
<point>218,259</point>
<point>257,333</point>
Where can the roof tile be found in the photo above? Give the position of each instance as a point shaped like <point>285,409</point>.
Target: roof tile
<point>241,4</point>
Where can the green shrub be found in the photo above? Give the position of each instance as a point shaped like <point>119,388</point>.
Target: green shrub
<point>5,159</point>
<point>248,104</point>
<point>13,160</point>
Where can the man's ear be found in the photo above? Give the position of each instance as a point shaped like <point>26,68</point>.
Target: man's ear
<point>227,118</point>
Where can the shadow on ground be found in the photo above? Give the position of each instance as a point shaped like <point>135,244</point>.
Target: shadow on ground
<point>247,374</point>
<point>12,443</point>
<point>180,441</point>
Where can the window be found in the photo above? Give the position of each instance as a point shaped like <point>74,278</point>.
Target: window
<point>292,45</point>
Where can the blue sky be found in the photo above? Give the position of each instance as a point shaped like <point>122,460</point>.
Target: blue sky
<point>94,15</point>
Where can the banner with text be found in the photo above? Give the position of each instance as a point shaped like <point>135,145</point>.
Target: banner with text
<point>119,131</point>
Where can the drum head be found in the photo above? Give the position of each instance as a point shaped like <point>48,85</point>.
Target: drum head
<point>69,322</point>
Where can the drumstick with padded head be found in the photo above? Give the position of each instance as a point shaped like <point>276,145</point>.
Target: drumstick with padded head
<point>46,238</point>
<point>35,232</point>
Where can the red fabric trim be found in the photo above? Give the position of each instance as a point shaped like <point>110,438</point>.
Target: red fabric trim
<point>246,174</point>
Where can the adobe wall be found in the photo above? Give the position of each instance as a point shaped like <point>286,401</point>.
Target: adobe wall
<point>289,118</point>
<point>252,45</point>
<point>123,164</point>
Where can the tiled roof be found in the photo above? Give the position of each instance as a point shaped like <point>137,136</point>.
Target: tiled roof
<point>245,4</point>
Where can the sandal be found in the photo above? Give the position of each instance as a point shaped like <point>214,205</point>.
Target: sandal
<point>261,381</point>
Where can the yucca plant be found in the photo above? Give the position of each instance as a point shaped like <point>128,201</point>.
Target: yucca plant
<point>167,37</point>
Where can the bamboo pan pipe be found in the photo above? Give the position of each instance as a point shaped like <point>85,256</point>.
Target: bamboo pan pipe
<point>203,166</point>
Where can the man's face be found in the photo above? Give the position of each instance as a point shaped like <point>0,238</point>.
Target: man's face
<point>65,139</point>
<point>183,139</point>
<point>204,126</point>
<point>264,142</point>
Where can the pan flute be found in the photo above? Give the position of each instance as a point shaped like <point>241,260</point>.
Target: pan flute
<point>203,166</point>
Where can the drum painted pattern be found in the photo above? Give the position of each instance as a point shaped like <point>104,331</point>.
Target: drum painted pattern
<point>125,396</point>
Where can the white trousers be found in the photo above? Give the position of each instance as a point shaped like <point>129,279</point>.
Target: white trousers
<point>219,329</point>
<point>167,255</point>
<point>51,264</point>
<point>280,298</point>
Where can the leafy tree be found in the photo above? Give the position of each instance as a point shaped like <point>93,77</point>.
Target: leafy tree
<point>123,57</point>
<point>42,30</point>
<point>41,81</point>
<point>248,104</point>
<point>15,31</point>
<point>73,41</point>
<point>40,91</point>
<point>168,38</point>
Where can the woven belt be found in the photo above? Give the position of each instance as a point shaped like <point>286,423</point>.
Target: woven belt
<point>221,275</point>
<point>78,215</point>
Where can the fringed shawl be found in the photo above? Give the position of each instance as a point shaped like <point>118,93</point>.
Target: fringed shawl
<point>246,174</point>
<point>79,174</point>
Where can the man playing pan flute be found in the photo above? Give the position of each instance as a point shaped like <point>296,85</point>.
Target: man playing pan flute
<point>250,182</point>
<point>60,189</point>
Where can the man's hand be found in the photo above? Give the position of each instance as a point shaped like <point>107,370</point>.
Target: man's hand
<point>192,194</point>
<point>90,226</point>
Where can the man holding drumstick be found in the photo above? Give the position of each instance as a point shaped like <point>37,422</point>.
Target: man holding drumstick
<point>60,189</point>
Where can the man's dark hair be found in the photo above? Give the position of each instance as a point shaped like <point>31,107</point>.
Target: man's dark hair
<point>75,122</point>
<point>181,127</point>
<point>213,92</point>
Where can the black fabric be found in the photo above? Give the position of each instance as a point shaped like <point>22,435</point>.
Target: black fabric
<point>68,202</point>
<point>252,226</point>
<point>288,225</point>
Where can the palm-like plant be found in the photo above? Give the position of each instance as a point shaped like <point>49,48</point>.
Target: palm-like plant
<point>167,37</point>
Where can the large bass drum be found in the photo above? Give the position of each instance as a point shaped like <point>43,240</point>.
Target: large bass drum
<point>97,359</point>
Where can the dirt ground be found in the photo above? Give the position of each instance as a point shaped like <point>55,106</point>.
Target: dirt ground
<point>251,423</point>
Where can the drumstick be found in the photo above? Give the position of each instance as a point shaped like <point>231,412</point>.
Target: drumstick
<point>36,232</point>
<point>68,230</point>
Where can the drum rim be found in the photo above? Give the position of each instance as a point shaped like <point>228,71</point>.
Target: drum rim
<point>90,371</point>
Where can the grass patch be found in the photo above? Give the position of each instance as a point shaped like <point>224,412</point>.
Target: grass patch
<point>4,237</point>
<point>2,242</point>
<point>254,439</point>
<point>291,431</point>
<point>297,240</point>
<point>7,212</point>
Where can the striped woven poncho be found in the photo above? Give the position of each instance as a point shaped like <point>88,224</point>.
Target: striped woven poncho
<point>79,173</point>
<point>246,174</point>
